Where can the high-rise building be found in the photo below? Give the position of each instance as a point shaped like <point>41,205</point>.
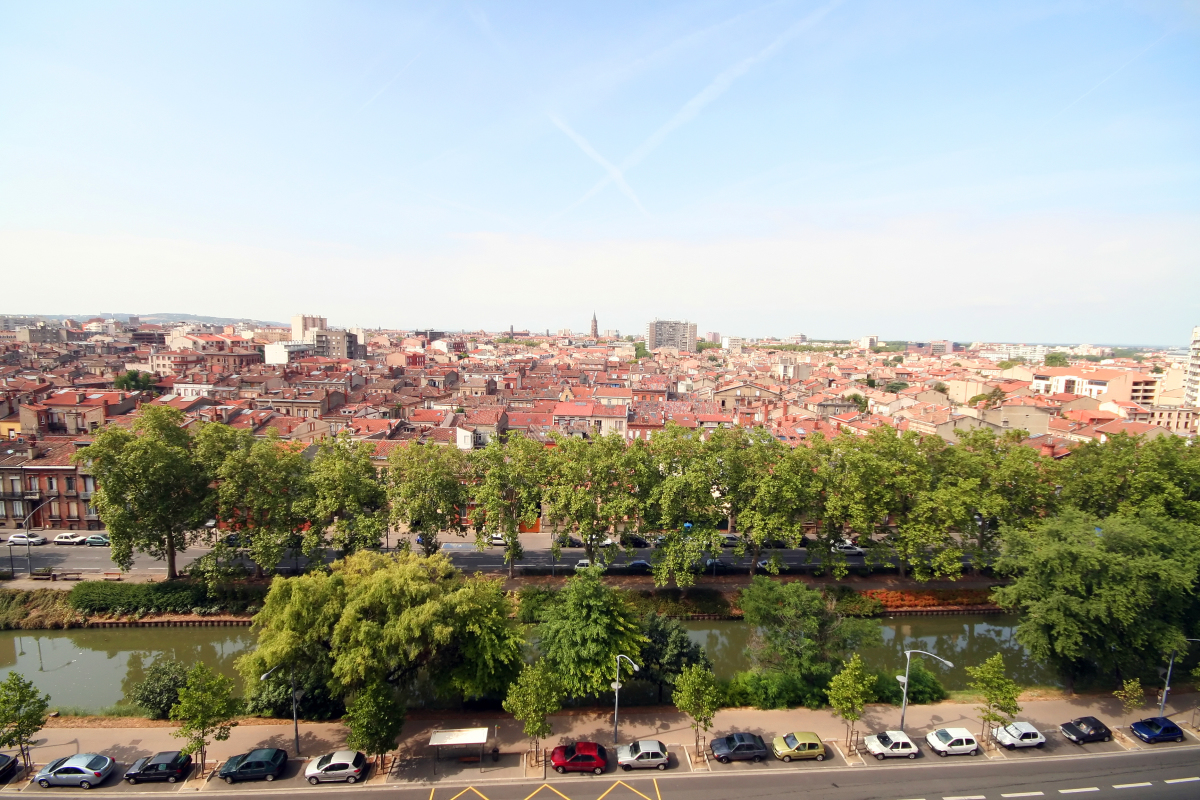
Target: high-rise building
<point>303,323</point>
<point>595,327</point>
<point>867,342</point>
<point>713,337</point>
<point>1191,385</point>
<point>671,333</point>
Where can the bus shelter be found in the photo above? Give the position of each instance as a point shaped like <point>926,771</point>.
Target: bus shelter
<point>459,738</point>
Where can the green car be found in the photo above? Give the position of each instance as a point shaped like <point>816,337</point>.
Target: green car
<point>799,745</point>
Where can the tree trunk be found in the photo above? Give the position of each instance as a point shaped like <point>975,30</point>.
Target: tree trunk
<point>171,573</point>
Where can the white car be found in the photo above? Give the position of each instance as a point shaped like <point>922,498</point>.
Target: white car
<point>498,540</point>
<point>646,754</point>
<point>952,742</point>
<point>890,744</point>
<point>343,765</point>
<point>847,549</point>
<point>1018,734</point>
<point>26,538</point>
<point>582,563</point>
<point>69,538</point>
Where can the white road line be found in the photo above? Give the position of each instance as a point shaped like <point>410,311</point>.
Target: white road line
<point>1023,794</point>
<point>1132,785</point>
<point>1077,791</point>
<point>966,797</point>
<point>1181,780</point>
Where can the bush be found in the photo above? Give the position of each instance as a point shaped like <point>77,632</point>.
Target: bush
<point>174,597</point>
<point>855,604</point>
<point>676,603</point>
<point>768,689</point>
<point>930,598</point>
<point>159,691</point>
<point>887,689</point>
<point>37,609</point>
<point>532,601</point>
<point>923,685</point>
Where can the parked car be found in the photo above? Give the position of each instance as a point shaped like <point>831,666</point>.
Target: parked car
<point>171,766</point>
<point>579,757</point>
<point>342,765</point>
<point>646,754</point>
<point>70,537</point>
<point>582,564</point>
<point>890,744</point>
<point>1019,734</point>
<point>266,764</point>
<point>847,549</point>
<point>498,540</point>
<point>714,566</point>
<point>84,770</point>
<point>762,565</point>
<point>1157,729</point>
<point>640,566</point>
<point>739,747</point>
<point>8,766</point>
<point>798,745</point>
<point>952,742</point>
<point>98,540</point>
<point>568,541</point>
<point>26,538</point>
<point>729,540</point>
<point>1086,729</point>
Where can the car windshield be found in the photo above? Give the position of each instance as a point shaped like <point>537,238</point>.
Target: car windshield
<point>359,759</point>
<point>56,764</point>
<point>97,762</point>
<point>791,741</point>
<point>324,760</point>
<point>944,736</point>
<point>1012,730</point>
<point>634,749</point>
<point>569,751</point>
<point>884,739</point>
<point>1153,726</point>
<point>1084,725</point>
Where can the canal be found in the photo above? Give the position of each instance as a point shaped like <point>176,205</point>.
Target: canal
<point>93,668</point>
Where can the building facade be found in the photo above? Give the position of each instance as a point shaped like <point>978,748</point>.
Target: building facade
<point>671,333</point>
<point>1191,383</point>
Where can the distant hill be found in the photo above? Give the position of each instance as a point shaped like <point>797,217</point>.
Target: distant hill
<point>160,318</point>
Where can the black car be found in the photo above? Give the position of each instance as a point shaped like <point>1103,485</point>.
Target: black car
<point>1086,729</point>
<point>639,567</point>
<point>266,764</point>
<point>567,541</point>
<point>739,747</point>
<point>630,540</point>
<point>8,767</point>
<point>170,766</point>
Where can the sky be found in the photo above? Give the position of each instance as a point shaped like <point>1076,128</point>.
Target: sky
<point>995,171</point>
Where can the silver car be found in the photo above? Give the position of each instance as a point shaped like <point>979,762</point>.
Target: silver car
<point>84,770</point>
<point>646,754</point>
<point>343,765</point>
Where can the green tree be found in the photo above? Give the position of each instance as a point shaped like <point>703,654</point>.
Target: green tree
<point>696,694</point>
<point>533,697</point>
<point>1132,695</point>
<point>506,490</point>
<point>158,691</point>
<point>859,401</point>
<point>1129,474</point>
<point>427,490</point>
<point>999,692</point>
<point>134,381</point>
<point>895,387</point>
<point>941,387</point>
<point>640,351</point>
<point>377,617</point>
<point>1107,595</point>
<point>207,710</point>
<point>667,650</point>
<point>151,489</point>
<point>849,691</point>
<point>346,497</point>
<point>786,493</point>
<point>1056,359</point>
<point>582,633</point>
<point>22,714</point>
<point>374,719</point>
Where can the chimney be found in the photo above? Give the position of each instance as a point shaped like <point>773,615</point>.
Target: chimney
<point>1048,449</point>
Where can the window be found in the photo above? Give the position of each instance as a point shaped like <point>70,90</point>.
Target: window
<point>70,483</point>
<point>52,484</point>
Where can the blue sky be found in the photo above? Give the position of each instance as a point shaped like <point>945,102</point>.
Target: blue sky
<point>1006,171</point>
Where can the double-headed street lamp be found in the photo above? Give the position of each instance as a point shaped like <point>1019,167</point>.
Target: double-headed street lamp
<point>1162,706</point>
<point>904,678</point>
<point>616,685</point>
<point>295,696</point>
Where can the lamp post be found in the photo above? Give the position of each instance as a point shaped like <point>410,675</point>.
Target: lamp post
<point>295,697</point>
<point>1162,706</point>
<point>616,685</point>
<point>904,679</point>
<point>28,549</point>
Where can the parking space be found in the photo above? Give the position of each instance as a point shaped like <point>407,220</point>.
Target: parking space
<point>292,778</point>
<point>923,756</point>
<point>833,758</point>
<point>146,786</point>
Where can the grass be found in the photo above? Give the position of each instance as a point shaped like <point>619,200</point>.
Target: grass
<point>39,609</point>
<point>110,711</point>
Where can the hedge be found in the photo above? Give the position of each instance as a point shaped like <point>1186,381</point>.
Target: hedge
<point>174,597</point>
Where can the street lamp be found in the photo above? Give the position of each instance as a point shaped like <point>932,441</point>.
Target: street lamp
<point>1162,706</point>
<point>904,678</point>
<point>28,550</point>
<point>616,685</point>
<point>295,696</point>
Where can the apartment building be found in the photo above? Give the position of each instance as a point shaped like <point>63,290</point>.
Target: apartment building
<point>1191,383</point>
<point>671,333</point>
<point>303,323</point>
<point>1097,382</point>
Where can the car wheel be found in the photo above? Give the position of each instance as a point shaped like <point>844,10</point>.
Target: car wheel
<point>45,784</point>
<point>1010,746</point>
<point>599,770</point>
<point>626,767</point>
<point>942,753</point>
<point>1040,745</point>
<point>351,779</point>
<point>879,756</point>
<point>131,781</point>
<point>724,759</point>
<point>1179,738</point>
<point>560,770</point>
<point>973,753</point>
<point>85,785</point>
<point>757,759</point>
<point>914,755</point>
<point>787,759</point>
<point>662,766</point>
<point>821,757</point>
<point>172,779</point>
<point>313,780</point>
<point>1108,738</point>
<point>269,778</point>
<point>229,781</point>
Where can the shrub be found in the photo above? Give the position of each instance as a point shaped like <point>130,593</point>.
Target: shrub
<point>532,601</point>
<point>174,597</point>
<point>158,692</point>
<point>37,609</point>
<point>855,604</point>
<point>924,686</point>
<point>675,603</point>
<point>929,598</point>
<point>768,689</point>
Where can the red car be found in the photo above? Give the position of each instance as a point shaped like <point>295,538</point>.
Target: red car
<point>580,757</point>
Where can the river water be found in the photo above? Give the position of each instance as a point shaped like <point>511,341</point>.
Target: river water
<point>92,668</point>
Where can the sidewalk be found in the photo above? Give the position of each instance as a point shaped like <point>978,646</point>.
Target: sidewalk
<point>414,762</point>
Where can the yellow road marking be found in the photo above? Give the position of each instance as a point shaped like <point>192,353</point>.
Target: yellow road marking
<point>464,791</point>
<point>551,788</point>
<point>656,792</point>
<point>627,786</point>
<point>431,794</point>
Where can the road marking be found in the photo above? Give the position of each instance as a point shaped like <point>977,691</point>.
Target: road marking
<point>1181,780</point>
<point>1132,785</point>
<point>966,797</point>
<point>1023,794</point>
<point>657,793</point>
<point>1077,791</point>
<point>627,786</point>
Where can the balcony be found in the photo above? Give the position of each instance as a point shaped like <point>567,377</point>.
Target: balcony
<point>85,495</point>
<point>32,494</point>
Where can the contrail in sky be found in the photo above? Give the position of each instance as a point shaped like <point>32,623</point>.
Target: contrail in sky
<point>610,170</point>
<point>708,94</point>
<point>1114,73</point>
<point>384,88</point>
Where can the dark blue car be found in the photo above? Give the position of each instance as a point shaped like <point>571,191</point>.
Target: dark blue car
<point>1157,729</point>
